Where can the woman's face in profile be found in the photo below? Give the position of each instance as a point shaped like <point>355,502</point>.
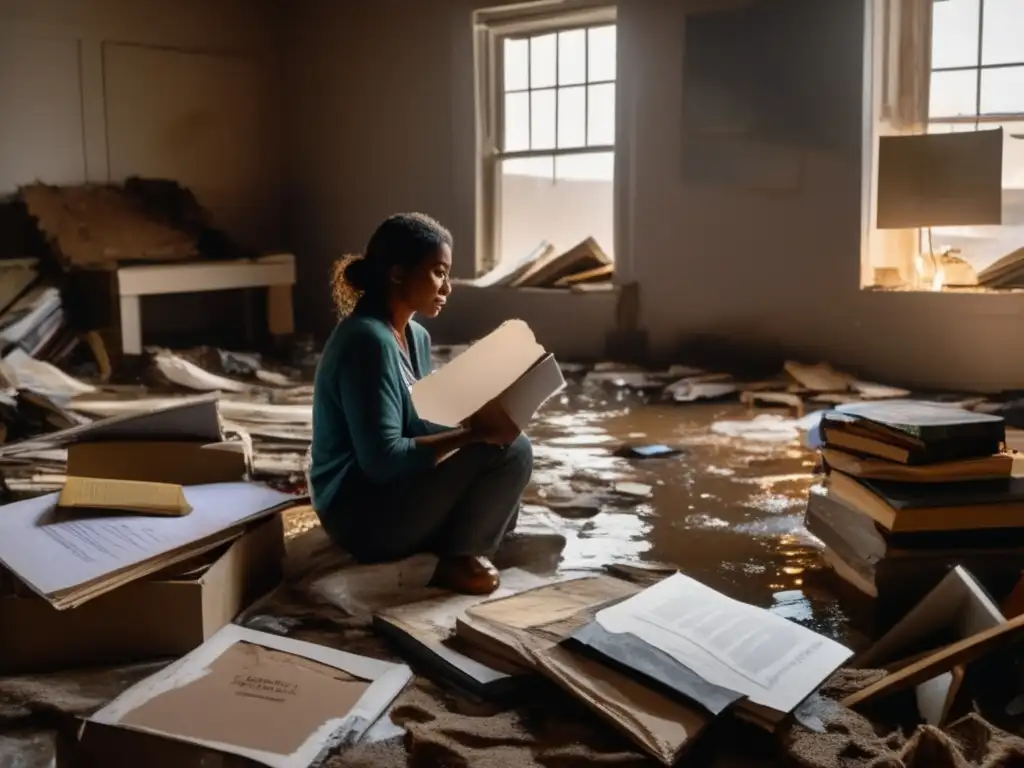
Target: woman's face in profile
<point>426,288</point>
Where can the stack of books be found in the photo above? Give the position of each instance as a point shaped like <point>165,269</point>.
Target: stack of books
<point>914,489</point>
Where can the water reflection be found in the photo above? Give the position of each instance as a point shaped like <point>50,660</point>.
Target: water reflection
<point>729,511</point>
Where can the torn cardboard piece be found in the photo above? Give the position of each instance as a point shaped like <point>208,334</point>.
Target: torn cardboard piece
<point>820,377</point>
<point>550,268</point>
<point>507,365</point>
<point>279,702</point>
<point>144,498</point>
<point>98,225</point>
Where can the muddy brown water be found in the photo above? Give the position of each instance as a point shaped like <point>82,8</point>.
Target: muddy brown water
<point>728,511</point>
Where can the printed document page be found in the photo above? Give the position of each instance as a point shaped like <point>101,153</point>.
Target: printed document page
<point>55,550</point>
<point>770,660</point>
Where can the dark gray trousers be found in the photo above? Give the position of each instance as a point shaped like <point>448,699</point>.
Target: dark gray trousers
<point>463,506</point>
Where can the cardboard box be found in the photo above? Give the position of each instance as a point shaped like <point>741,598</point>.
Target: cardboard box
<point>168,613</point>
<point>106,746</point>
<point>149,619</point>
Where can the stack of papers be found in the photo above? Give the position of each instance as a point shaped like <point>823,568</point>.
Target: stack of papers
<point>706,640</point>
<point>71,556</point>
<point>658,664</point>
<point>532,629</point>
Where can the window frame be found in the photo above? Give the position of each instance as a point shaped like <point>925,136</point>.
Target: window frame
<point>885,90</point>
<point>978,68</point>
<point>491,32</point>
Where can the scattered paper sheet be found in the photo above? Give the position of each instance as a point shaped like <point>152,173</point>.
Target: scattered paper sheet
<point>267,413</point>
<point>364,590</point>
<point>234,410</point>
<point>180,371</point>
<point>26,372</point>
<point>766,427</point>
<point>773,662</point>
<point>183,418</point>
<point>52,551</point>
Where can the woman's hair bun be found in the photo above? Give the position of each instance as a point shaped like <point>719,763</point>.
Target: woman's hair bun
<point>356,274</point>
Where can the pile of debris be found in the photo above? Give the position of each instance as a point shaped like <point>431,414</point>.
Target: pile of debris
<point>583,268</point>
<point>59,248</point>
<point>667,662</point>
<point>645,653</point>
<point>267,409</point>
<point>101,226</point>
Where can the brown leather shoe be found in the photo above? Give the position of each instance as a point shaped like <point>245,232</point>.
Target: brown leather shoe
<point>466,575</point>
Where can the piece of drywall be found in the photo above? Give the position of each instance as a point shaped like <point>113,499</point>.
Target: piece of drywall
<point>940,179</point>
<point>203,119</point>
<point>41,103</point>
<point>96,90</point>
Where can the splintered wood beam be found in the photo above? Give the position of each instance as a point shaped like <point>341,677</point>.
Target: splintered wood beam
<point>943,660</point>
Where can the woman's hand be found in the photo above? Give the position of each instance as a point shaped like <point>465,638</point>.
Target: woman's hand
<point>492,425</point>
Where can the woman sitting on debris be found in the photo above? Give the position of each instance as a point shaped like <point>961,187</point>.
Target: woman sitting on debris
<point>380,482</point>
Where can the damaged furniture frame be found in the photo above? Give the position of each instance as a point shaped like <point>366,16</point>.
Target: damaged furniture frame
<point>276,273</point>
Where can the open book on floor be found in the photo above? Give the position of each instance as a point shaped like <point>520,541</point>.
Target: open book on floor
<point>683,636</point>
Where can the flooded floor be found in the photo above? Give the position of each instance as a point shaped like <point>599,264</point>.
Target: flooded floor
<point>727,511</point>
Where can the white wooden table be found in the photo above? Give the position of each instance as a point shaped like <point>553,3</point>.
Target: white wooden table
<point>275,271</point>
